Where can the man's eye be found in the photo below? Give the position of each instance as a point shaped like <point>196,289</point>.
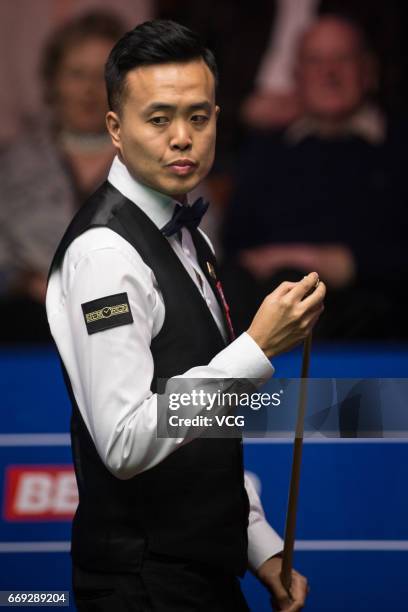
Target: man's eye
<point>199,119</point>
<point>159,120</point>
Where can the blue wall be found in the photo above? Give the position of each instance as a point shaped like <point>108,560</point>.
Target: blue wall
<point>353,493</point>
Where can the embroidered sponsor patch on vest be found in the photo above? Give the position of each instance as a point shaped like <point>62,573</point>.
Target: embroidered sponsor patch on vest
<point>107,312</point>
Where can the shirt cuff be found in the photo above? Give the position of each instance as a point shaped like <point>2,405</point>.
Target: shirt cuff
<point>263,543</point>
<point>244,358</point>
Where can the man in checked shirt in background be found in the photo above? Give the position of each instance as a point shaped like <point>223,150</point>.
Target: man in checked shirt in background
<point>161,525</point>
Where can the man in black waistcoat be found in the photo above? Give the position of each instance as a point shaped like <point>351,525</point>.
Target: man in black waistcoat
<point>133,297</point>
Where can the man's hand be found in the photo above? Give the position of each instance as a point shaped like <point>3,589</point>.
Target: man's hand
<point>268,109</point>
<point>269,575</point>
<point>287,315</point>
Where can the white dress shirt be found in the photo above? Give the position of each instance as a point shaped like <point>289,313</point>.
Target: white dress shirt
<point>111,371</point>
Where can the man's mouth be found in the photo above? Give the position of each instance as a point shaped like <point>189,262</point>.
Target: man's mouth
<point>182,167</point>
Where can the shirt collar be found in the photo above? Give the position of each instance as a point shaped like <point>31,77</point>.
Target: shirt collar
<point>157,206</point>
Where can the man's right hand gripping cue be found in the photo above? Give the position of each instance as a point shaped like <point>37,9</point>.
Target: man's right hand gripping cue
<point>288,314</point>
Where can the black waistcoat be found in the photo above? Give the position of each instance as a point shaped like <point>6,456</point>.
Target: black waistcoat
<point>192,505</point>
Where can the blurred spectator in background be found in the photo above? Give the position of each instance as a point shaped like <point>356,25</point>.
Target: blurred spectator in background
<point>329,193</point>
<point>46,173</point>
<point>274,100</point>
<point>25,27</point>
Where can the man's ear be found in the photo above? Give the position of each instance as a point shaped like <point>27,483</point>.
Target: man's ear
<point>217,111</point>
<point>113,124</point>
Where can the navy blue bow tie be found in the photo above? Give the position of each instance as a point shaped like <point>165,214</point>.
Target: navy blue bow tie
<point>186,216</point>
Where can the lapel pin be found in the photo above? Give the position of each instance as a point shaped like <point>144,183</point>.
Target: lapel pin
<point>211,270</point>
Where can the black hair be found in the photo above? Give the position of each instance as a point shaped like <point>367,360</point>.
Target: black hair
<point>160,41</point>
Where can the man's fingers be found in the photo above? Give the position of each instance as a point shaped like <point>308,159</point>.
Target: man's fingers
<point>281,599</point>
<point>281,604</point>
<point>304,286</point>
<point>283,288</point>
<point>315,298</point>
<point>298,594</point>
<point>286,605</point>
<point>289,602</point>
<point>299,589</point>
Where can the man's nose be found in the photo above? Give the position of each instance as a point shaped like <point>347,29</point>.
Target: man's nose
<point>331,68</point>
<point>180,137</point>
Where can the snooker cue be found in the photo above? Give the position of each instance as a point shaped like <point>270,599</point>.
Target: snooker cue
<point>290,527</point>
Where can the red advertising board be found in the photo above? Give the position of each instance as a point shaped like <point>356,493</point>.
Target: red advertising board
<point>40,493</point>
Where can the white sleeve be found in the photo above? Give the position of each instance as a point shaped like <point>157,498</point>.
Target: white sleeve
<point>263,541</point>
<point>111,370</point>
